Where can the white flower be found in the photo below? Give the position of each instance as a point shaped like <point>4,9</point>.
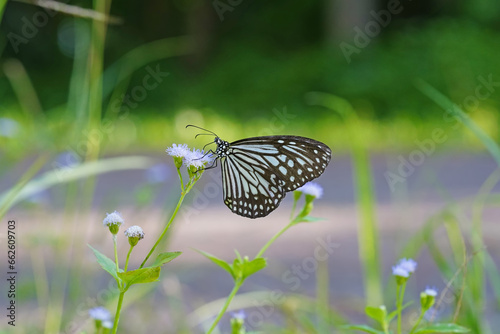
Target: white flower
<point>179,151</point>
<point>408,264</point>
<point>100,313</point>
<point>311,188</point>
<point>113,218</point>
<point>134,232</point>
<point>197,159</point>
<point>239,315</point>
<point>400,271</point>
<point>431,292</point>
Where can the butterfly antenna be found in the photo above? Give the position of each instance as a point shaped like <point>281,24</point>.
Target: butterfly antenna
<point>207,145</point>
<point>210,132</point>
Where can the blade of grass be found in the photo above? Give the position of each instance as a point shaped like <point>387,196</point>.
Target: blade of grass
<point>2,8</point>
<point>9,198</point>
<point>74,10</point>
<point>367,228</point>
<point>477,281</point>
<point>139,57</point>
<point>23,88</point>
<point>54,177</point>
<point>446,104</point>
<point>322,298</point>
<point>494,150</point>
<point>79,83</point>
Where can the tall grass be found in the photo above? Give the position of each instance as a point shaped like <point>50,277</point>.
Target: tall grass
<point>472,264</point>
<point>84,112</point>
<point>367,227</point>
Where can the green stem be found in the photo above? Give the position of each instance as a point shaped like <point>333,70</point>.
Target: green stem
<point>400,298</point>
<point>116,253</point>
<point>180,178</point>
<point>128,257</point>
<point>237,285</point>
<point>183,195</point>
<point>266,246</point>
<point>118,309</point>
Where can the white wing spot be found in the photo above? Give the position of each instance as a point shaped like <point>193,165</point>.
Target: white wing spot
<point>283,170</point>
<point>290,163</point>
<point>281,141</point>
<point>272,160</point>
<point>292,178</point>
<point>299,171</point>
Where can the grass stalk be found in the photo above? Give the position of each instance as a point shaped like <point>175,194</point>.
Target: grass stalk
<point>367,226</point>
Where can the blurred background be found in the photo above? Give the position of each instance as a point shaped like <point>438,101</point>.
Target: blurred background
<point>92,93</point>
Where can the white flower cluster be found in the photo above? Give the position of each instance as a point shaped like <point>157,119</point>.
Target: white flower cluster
<point>404,268</point>
<point>194,158</point>
<point>311,188</point>
<point>113,218</point>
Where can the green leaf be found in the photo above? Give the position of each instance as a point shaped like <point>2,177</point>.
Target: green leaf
<point>306,219</point>
<point>377,313</point>
<point>105,262</point>
<point>363,328</point>
<point>221,263</point>
<point>442,328</point>
<point>163,258</point>
<point>143,275</point>
<point>250,268</point>
<point>243,268</point>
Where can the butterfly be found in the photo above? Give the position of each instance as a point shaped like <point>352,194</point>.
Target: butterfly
<point>258,172</point>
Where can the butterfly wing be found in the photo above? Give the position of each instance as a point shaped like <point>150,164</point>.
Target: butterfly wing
<point>250,189</point>
<point>296,160</point>
<point>257,172</point>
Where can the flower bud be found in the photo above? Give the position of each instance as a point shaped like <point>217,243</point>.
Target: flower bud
<point>134,234</point>
<point>113,221</point>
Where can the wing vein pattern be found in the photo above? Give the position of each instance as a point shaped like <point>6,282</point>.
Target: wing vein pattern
<point>258,172</point>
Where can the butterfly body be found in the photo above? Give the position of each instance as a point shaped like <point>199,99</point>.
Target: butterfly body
<point>258,172</point>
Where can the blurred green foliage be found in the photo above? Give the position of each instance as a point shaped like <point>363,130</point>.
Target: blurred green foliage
<point>258,58</point>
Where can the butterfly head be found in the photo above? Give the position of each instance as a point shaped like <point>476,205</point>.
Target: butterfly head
<point>222,147</point>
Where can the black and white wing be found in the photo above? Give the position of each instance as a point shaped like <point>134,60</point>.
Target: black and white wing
<point>257,172</point>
